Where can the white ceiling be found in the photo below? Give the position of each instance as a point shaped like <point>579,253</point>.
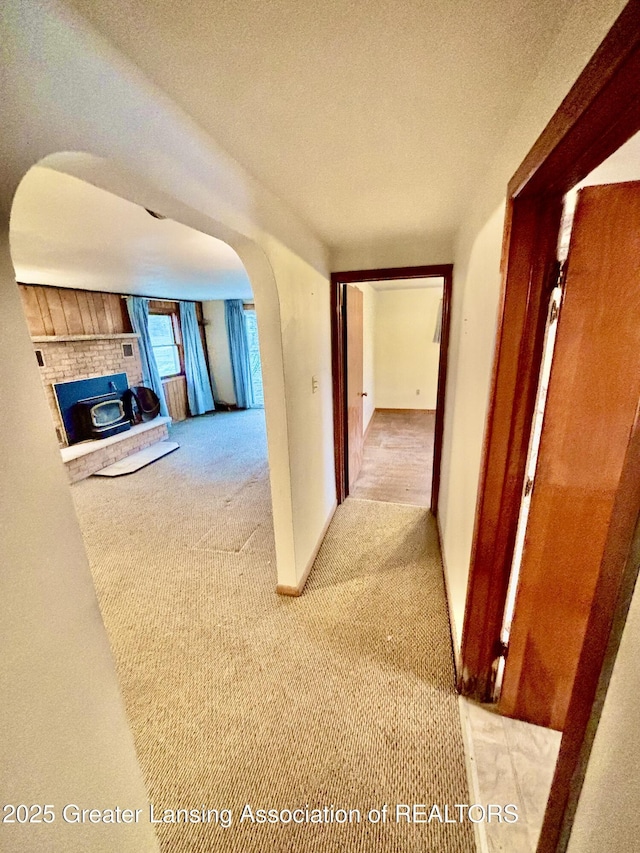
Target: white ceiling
<point>68,233</point>
<point>371,119</point>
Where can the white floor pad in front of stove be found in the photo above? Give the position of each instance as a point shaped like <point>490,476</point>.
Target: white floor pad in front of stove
<point>138,460</point>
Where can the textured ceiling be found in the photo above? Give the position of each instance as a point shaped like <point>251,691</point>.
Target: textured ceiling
<point>67,233</point>
<point>371,119</point>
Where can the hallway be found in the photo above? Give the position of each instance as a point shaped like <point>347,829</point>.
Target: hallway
<point>508,761</point>
<point>343,697</point>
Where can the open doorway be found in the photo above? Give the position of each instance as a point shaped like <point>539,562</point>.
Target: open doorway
<point>585,414</point>
<point>390,332</point>
<point>593,123</point>
<point>401,347</point>
<point>121,297</point>
<point>119,301</point>
<point>545,700</point>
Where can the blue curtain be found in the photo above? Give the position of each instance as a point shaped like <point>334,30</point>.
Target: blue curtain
<point>138,309</point>
<point>239,349</point>
<point>199,391</point>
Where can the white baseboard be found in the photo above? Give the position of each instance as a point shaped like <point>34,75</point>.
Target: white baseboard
<point>284,589</point>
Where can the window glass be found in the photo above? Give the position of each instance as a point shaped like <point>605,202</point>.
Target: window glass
<point>164,344</point>
<point>254,358</point>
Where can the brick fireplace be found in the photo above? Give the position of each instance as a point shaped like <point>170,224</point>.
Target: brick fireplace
<point>64,360</point>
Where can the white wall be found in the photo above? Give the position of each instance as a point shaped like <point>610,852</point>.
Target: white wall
<point>218,349</point>
<point>413,250</point>
<point>406,358</point>
<point>473,328</point>
<point>399,355</point>
<point>306,346</point>
<point>369,302</point>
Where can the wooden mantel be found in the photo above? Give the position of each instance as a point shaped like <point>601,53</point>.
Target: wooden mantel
<point>53,339</point>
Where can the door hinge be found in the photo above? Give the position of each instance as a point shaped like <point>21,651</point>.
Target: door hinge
<point>528,487</point>
<point>500,649</point>
<point>558,274</point>
<point>553,314</point>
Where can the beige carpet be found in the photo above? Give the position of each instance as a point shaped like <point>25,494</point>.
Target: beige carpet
<point>343,697</point>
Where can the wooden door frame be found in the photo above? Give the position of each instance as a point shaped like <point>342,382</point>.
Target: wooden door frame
<point>599,114</point>
<point>338,362</point>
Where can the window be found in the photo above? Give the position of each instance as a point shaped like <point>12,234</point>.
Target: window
<point>251,326</point>
<point>162,331</point>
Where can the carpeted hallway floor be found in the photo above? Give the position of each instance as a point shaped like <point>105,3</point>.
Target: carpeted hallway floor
<point>343,697</point>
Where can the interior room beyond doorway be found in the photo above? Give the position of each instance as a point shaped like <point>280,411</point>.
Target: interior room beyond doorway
<point>401,332</point>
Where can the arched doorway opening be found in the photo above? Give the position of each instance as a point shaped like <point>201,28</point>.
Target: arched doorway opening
<point>85,260</point>
<point>154,538</point>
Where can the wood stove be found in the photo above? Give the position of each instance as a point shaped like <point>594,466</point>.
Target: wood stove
<point>77,398</point>
<point>100,416</point>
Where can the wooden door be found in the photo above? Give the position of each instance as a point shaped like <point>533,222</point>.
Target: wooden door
<point>594,391</point>
<point>354,341</point>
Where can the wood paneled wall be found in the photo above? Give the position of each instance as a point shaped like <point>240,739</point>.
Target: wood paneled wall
<point>62,311</point>
<point>59,311</point>
<point>175,392</point>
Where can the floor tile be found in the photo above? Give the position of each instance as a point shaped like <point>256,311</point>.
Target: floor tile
<point>510,762</point>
